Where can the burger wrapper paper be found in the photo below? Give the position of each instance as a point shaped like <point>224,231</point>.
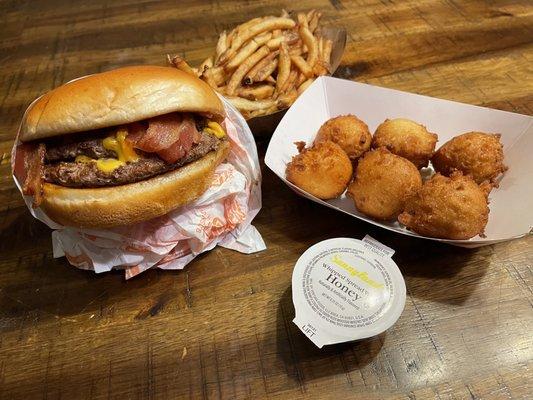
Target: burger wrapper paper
<point>221,216</point>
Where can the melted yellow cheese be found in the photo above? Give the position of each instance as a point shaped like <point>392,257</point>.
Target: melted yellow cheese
<point>83,159</point>
<point>215,129</point>
<point>108,165</point>
<point>119,145</point>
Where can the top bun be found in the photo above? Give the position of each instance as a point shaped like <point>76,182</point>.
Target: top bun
<point>117,97</point>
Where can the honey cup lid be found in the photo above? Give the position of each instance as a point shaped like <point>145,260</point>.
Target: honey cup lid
<point>346,289</point>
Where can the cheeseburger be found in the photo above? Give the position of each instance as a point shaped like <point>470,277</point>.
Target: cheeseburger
<point>121,146</point>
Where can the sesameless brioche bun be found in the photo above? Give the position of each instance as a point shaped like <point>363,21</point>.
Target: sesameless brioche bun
<point>135,202</point>
<point>117,97</point>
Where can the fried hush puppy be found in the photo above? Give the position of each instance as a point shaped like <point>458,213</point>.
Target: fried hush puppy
<point>323,170</point>
<point>349,132</point>
<point>474,153</point>
<point>383,182</point>
<point>452,207</point>
<point>407,139</point>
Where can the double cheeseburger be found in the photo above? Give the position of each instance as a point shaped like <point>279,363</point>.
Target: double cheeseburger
<point>120,147</point>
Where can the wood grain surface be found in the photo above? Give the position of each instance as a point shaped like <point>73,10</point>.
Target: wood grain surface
<point>222,328</point>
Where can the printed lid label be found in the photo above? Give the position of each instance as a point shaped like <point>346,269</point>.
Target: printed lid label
<point>346,289</point>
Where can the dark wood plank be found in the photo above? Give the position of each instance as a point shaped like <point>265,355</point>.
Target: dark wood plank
<point>222,328</point>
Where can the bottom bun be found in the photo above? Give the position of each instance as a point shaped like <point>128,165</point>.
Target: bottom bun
<point>128,204</point>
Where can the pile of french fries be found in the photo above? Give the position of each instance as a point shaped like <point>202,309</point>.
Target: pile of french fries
<point>262,65</point>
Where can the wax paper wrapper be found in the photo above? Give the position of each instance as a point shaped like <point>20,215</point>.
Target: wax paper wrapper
<point>221,216</point>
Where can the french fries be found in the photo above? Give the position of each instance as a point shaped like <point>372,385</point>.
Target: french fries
<point>284,66</point>
<point>326,53</point>
<point>309,41</point>
<point>247,51</point>
<point>302,65</point>
<point>273,44</point>
<point>290,82</point>
<point>238,75</point>
<point>286,99</point>
<point>181,64</point>
<point>264,64</point>
<point>222,45</point>
<point>215,75</point>
<point>267,25</point>
<point>313,17</point>
<point>206,64</point>
<point>258,92</point>
<point>265,74</point>
<point>250,105</point>
<point>304,86</point>
<point>301,79</point>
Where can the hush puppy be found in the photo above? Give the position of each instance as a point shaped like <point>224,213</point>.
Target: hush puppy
<point>474,153</point>
<point>452,207</point>
<point>383,182</point>
<point>323,170</point>
<point>349,132</point>
<point>407,139</point>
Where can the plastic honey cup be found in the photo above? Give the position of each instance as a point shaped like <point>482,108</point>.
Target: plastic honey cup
<point>346,289</point>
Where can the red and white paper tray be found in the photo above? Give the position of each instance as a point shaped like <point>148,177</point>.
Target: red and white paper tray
<point>221,216</point>
<point>511,205</point>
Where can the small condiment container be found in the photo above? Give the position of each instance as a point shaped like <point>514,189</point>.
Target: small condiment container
<point>346,289</point>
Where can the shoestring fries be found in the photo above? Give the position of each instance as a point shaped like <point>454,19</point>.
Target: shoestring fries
<point>264,64</point>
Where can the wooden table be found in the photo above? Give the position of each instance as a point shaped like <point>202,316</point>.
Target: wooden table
<point>222,327</point>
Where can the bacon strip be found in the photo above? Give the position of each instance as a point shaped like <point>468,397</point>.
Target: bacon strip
<point>136,130</point>
<point>162,132</point>
<point>23,151</point>
<point>173,153</point>
<point>189,135</point>
<point>33,166</point>
<point>171,136</point>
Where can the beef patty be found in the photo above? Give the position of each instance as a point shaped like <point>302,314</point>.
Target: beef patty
<point>93,148</point>
<point>77,174</point>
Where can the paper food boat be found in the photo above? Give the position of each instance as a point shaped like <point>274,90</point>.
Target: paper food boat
<point>511,205</point>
